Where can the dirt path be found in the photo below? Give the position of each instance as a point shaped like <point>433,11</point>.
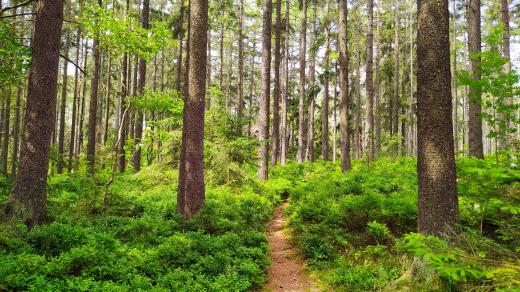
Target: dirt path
<point>286,272</point>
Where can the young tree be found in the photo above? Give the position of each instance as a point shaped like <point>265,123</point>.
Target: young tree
<point>27,200</point>
<point>263,115</point>
<point>63,105</point>
<point>343,86</point>
<point>438,206</point>
<point>191,196</point>
<point>476,147</point>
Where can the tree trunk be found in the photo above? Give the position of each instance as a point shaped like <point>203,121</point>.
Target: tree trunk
<point>27,200</point>
<point>263,115</point>
<point>191,171</point>
<point>395,100</point>
<point>285,96</point>
<point>240,102</point>
<point>454,81</point>
<point>75,99</point>
<point>276,95</point>
<point>136,158</point>
<point>357,106</point>
<point>63,106</point>
<point>325,106</point>
<point>301,102</point>
<point>107,101</point>
<point>5,129</point>
<point>312,71</point>
<point>438,207</point>
<point>369,81</point>
<point>377,120</point>
<point>16,132</point>
<point>476,147</point>
<point>343,86</point>
<point>92,118</point>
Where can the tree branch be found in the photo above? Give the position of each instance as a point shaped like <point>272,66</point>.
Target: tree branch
<point>75,65</point>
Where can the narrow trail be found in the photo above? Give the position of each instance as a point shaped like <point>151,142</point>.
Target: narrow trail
<point>286,272</point>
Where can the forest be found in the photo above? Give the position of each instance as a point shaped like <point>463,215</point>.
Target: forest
<point>267,145</point>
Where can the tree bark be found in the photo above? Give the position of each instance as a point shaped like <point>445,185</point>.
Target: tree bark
<point>191,172</point>
<point>5,129</point>
<point>27,200</point>
<point>180,35</point>
<point>377,120</point>
<point>476,147</point>
<point>240,102</point>
<point>312,70</point>
<point>275,157</point>
<point>438,207</point>
<point>357,106</point>
<point>263,115</point>
<point>92,118</point>
<point>395,100</point>
<point>63,106</point>
<point>136,158</point>
<point>325,106</point>
<point>285,96</point>
<point>74,102</point>
<point>301,102</point>
<point>343,87</point>
<point>369,81</point>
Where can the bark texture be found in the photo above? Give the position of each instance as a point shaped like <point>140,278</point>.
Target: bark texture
<point>191,196</point>
<point>27,200</point>
<point>343,87</point>
<point>438,206</point>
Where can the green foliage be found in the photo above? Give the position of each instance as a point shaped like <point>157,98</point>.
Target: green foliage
<point>139,242</point>
<point>119,35</point>
<point>14,56</point>
<point>351,227</point>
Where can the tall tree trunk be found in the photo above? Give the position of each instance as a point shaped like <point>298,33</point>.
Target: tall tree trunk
<point>454,81</point>
<point>221,55</point>
<point>285,96</point>
<point>240,102</point>
<point>191,171</point>
<point>276,95</point>
<point>27,200</point>
<point>325,106</point>
<point>301,102</point>
<point>107,101</point>
<point>438,207</point>
<point>263,115</point>
<point>504,17</point>
<point>123,118</point>
<point>92,118</point>
<point>75,99</point>
<point>82,107</point>
<point>395,100</point>
<point>343,86</point>
<point>476,147</point>
<point>312,70</point>
<point>208,72</point>
<point>16,132</point>
<point>136,158</point>
<point>63,106</point>
<point>5,129</point>
<point>377,120</point>
<point>251,86</point>
<point>334,117</point>
<point>369,81</point>
<point>357,106</point>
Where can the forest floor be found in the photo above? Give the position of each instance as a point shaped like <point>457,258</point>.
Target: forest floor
<point>287,270</point>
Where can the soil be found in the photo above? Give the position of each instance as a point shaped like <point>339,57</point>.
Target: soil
<point>287,270</point>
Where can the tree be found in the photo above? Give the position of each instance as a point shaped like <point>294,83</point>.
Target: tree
<point>438,206</point>
<point>369,81</point>
<point>283,132</point>
<point>136,158</point>
<point>92,113</point>
<point>63,106</point>
<point>343,86</point>
<point>263,115</point>
<point>75,100</point>
<point>301,102</point>
<point>191,196</point>
<point>476,147</point>
<point>276,96</point>
<point>27,200</point>
<point>325,106</point>
<point>240,105</point>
